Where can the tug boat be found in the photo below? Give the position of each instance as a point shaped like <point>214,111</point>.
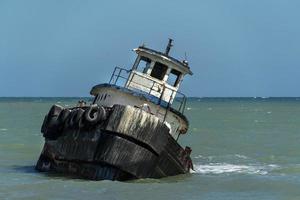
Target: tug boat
<point>129,131</point>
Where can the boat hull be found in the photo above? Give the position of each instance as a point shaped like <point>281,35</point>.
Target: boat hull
<point>129,144</point>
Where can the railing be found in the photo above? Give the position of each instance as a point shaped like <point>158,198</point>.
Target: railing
<point>122,77</point>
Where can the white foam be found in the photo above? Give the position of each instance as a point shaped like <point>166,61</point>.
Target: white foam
<point>216,157</point>
<point>188,108</point>
<point>198,156</point>
<point>221,168</point>
<point>241,156</point>
<point>3,129</point>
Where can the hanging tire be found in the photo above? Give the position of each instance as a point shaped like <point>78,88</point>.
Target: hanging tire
<point>63,116</point>
<point>92,114</point>
<point>102,113</point>
<point>44,127</point>
<point>51,119</point>
<point>75,119</point>
<point>81,119</point>
<point>52,131</point>
<point>50,127</point>
<point>55,110</point>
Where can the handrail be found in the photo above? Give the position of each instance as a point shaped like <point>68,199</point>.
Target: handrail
<point>118,74</point>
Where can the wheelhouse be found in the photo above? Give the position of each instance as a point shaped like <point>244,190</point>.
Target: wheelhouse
<point>156,75</point>
<point>152,82</point>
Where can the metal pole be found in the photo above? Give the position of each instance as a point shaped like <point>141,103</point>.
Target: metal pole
<point>112,75</point>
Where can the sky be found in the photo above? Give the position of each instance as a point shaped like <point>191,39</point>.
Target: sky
<point>236,48</point>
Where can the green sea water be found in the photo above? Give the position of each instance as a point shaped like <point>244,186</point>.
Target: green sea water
<point>243,148</point>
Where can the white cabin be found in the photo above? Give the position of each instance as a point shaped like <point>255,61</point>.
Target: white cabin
<point>153,81</point>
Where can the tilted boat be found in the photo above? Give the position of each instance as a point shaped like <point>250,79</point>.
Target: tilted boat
<point>130,130</point>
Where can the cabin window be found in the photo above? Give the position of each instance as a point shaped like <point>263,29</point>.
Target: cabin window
<point>173,78</point>
<point>144,64</point>
<point>159,71</point>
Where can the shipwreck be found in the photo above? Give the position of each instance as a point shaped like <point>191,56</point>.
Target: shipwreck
<point>129,131</point>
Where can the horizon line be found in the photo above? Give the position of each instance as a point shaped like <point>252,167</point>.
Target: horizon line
<point>263,97</point>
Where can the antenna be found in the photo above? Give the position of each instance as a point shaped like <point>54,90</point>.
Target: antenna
<point>169,46</point>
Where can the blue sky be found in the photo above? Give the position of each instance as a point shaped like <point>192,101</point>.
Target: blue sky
<point>234,47</point>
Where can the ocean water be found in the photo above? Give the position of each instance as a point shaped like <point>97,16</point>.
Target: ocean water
<point>243,148</point>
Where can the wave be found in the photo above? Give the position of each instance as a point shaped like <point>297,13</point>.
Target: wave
<point>232,158</point>
<point>223,168</point>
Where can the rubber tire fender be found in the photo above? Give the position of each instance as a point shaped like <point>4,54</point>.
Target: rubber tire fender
<point>44,125</point>
<point>76,118</point>
<point>92,114</point>
<point>55,110</point>
<point>50,127</point>
<point>102,113</point>
<point>63,115</point>
<point>52,130</point>
<point>51,119</point>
